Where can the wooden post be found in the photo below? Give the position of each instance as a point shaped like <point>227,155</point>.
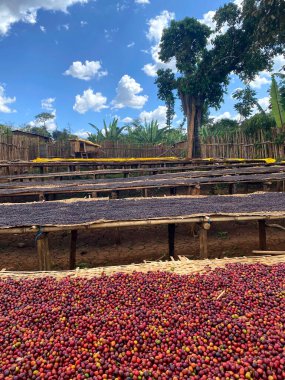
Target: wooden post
<point>43,252</point>
<point>41,197</point>
<point>94,194</point>
<point>171,240</point>
<point>114,194</point>
<point>72,256</point>
<point>203,236</point>
<point>232,188</point>
<point>262,235</point>
<point>266,186</point>
<point>145,193</point>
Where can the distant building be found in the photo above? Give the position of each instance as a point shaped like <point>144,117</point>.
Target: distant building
<point>81,148</point>
<point>31,135</point>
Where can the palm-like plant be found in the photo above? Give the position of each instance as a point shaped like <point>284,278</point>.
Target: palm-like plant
<point>110,132</point>
<point>147,132</point>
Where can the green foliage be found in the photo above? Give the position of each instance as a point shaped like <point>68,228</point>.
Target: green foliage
<point>246,101</point>
<point>204,69</point>
<point>260,121</point>
<point>166,84</point>
<point>110,132</point>
<point>43,117</point>
<point>219,128</point>
<point>147,132</point>
<point>5,129</point>
<point>42,130</point>
<point>276,102</point>
<point>63,135</point>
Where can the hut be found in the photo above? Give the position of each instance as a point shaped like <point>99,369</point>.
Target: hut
<point>81,148</point>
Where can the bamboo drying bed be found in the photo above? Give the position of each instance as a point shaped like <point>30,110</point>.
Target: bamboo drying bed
<point>73,215</point>
<point>182,266</point>
<point>72,165</point>
<point>89,213</point>
<point>187,171</point>
<point>113,186</point>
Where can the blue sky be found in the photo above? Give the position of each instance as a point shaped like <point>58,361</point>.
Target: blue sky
<point>85,60</point>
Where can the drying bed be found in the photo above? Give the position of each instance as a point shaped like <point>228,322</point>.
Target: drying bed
<point>136,183</point>
<point>178,209</point>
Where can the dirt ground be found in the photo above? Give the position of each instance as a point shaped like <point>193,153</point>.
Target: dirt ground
<point>133,245</point>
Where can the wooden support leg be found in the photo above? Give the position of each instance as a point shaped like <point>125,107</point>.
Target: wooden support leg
<point>171,239</point>
<point>94,194</point>
<point>43,252</point>
<point>278,186</point>
<point>114,195</point>
<point>41,197</point>
<point>145,193</point>
<point>203,236</point>
<point>72,256</point>
<point>266,186</point>
<point>232,188</point>
<point>196,190</point>
<point>262,235</point>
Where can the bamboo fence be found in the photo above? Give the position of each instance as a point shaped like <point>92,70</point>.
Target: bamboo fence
<point>239,145</point>
<point>235,145</point>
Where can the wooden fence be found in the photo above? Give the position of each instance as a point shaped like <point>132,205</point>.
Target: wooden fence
<point>238,145</point>
<point>119,149</point>
<point>232,146</point>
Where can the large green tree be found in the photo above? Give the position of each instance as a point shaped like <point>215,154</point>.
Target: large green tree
<point>204,66</point>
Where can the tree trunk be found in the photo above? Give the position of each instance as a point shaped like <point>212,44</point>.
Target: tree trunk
<point>197,126</point>
<point>193,113</point>
<point>189,110</point>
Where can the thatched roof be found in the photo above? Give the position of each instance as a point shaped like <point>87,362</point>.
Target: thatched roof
<point>87,142</point>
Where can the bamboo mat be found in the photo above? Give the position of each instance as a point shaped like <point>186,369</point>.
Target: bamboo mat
<point>181,266</point>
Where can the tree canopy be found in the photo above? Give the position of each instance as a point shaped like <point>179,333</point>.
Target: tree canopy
<point>205,60</point>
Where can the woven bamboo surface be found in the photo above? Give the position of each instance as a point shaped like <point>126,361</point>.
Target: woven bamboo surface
<point>181,266</point>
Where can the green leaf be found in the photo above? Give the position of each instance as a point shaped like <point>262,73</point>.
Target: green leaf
<point>277,109</point>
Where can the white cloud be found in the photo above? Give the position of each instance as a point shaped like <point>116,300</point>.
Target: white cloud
<point>264,102</point>
<point>82,133</point>
<point>131,45</point>
<point>208,19</point>
<point>225,115</point>
<point>90,101</point>
<point>64,26</point>
<point>4,101</point>
<point>279,64</point>
<point>142,1</point>
<point>158,114</point>
<point>43,29</point>
<point>259,81</point>
<point>86,71</point>
<point>83,23</point>
<point>47,104</point>
<point>12,11</point>
<point>154,34</point>
<point>127,119</point>
<point>127,94</point>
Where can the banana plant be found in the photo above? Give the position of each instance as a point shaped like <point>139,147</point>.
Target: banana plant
<point>278,110</point>
<point>110,132</point>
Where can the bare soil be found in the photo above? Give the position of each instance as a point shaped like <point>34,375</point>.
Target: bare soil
<point>134,245</point>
